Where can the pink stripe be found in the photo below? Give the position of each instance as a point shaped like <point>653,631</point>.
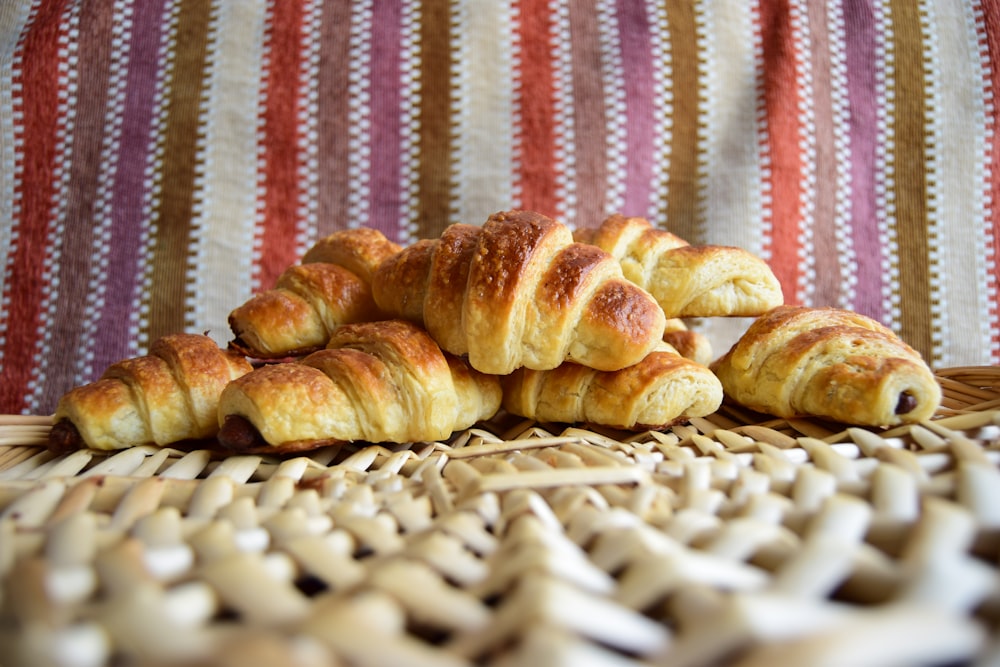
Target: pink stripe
<point>386,104</point>
<point>991,27</point>
<point>859,30</point>
<point>130,188</point>
<point>637,57</point>
<point>80,259</point>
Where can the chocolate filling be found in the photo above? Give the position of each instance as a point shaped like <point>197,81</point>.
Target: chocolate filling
<point>239,435</point>
<point>907,402</point>
<point>64,437</point>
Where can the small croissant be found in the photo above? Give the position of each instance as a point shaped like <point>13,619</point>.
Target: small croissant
<point>385,381</point>
<point>830,363</point>
<point>519,292</point>
<point>330,287</point>
<point>687,280</point>
<point>165,397</point>
<point>662,389</point>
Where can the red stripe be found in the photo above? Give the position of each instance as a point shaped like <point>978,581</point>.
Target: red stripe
<point>279,142</point>
<point>535,141</point>
<point>991,20</point>
<point>781,101</point>
<point>38,85</point>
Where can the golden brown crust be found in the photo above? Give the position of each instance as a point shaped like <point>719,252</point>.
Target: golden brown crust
<point>400,285</point>
<point>662,389</point>
<point>167,396</point>
<point>519,292</point>
<point>688,280</point>
<point>447,277</point>
<point>629,238</point>
<point>829,363</point>
<point>308,302</point>
<point>330,287</point>
<point>358,250</point>
<point>384,381</point>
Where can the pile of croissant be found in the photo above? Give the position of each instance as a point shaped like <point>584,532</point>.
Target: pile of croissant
<point>365,340</point>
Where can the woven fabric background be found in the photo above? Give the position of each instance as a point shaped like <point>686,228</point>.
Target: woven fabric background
<point>162,160</point>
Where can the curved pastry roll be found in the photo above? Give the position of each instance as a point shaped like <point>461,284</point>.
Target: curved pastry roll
<point>331,287</point>
<point>828,362</point>
<point>519,292</point>
<point>382,381</point>
<point>167,396</point>
<point>688,280</point>
<point>662,389</point>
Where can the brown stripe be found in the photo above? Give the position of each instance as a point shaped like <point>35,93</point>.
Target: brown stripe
<point>435,177</point>
<point>825,252</point>
<point>590,128</point>
<point>78,253</point>
<point>909,162</point>
<point>333,126</point>
<point>682,175</point>
<point>179,131</point>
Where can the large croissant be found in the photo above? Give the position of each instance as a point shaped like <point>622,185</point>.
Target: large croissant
<point>519,292</point>
<point>331,287</point>
<point>167,396</point>
<point>662,389</point>
<point>828,362</point>
<point>687,280</point>
<point>384,381</point>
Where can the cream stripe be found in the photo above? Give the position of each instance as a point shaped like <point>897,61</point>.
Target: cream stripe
<point>956,171</point>
<point>663,104</point>
<point>613,75</point>
<point>803,44</point>
<point>730,170</point>
<point>730,175</point>
<point>565,134</point>
<point>225,210</point>
<point>359,116</point>
<point>484,144</point>
<point>884,182</point>
<point>308,218</point>
<point>14,16</point>
<point>766,229</point>
<point>409,154</point>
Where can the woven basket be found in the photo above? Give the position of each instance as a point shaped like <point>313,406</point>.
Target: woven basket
<point>736,539</point>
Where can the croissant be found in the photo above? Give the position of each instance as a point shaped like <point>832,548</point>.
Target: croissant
<point>828,362</point>
<point>384,381</point>
<point>167,396</point>
<point>662,389</point>
<point>332,286</point>
<point>687,280</point>
<point>688,343</point>
<point>519,292</point>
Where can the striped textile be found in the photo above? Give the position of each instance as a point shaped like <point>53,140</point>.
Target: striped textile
<point>164,159</point>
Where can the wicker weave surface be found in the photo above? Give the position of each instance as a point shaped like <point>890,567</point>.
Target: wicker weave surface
<point>733,540</point>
